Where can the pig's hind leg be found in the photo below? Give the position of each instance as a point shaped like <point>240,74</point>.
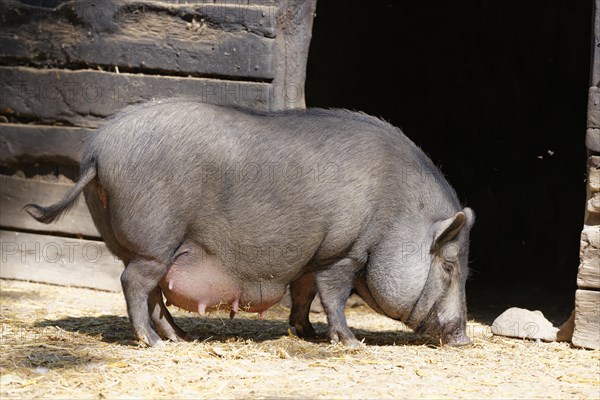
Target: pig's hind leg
<point>302,293</point>
<point>162,319</point>
<point>139,279</point>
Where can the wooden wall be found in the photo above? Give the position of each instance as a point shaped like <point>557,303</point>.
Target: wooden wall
<point>67,66</point>
<point>587,297</point>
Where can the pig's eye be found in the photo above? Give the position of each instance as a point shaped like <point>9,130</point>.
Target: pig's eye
<point>448,266</point>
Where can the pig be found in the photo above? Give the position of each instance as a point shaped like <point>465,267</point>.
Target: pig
<point>223,207</point>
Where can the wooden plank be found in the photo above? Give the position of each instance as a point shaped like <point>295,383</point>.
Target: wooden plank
<point>258,18</point>
<point>587,319</point>
<point>243,2</point>
<point>29,144</point>
<point>589,269</point>
<point>165,39</point>
<point>58,260</point>
<point>85,98</point>
<point>15,192</point>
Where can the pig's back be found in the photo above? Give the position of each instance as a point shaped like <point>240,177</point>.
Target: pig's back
<point>307,182</point>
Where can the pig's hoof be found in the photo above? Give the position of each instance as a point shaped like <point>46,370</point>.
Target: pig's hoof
<point>175,339</point>
<point>353,343</point>
<point>176,335</point>
<point>305,331</point>
<point>349,341</point>
<point>154,343</point>
<point>149,339</point>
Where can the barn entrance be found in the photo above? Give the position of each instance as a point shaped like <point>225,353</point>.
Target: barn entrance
<point>498,99</point>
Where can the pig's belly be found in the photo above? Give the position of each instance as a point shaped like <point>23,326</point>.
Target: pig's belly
<point>199,283</point>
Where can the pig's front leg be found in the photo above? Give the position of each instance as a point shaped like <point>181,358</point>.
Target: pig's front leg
<point>162,319</point>
<point>302,293</point>
<point>139,279</point>
<point>334,284</point>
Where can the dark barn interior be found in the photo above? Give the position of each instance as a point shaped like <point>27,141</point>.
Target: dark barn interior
<point>495,93</point>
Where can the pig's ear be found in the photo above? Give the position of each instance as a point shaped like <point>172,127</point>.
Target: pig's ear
<point>447,229</point>
<point>470,214</point>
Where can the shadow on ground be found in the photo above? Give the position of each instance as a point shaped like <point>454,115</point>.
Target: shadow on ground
<point>113,329</point>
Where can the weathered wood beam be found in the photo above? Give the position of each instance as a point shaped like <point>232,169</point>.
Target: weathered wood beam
<point>258,17</point>
<point>219,40</point>
<point>30,144</point>
<point>16,192</point>
<point>295,21</point>
<point>85,98</point>
<point>58,260</point>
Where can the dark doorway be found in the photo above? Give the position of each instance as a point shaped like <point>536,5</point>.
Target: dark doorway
<point>495,92</point>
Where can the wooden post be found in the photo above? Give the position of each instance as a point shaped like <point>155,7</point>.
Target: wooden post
<point>294,22</point>
<point>587,297</point>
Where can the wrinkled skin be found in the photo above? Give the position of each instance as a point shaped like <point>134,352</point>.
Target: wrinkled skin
<point>217,207</point>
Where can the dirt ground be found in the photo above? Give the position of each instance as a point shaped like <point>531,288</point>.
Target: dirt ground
<point>61,342</point>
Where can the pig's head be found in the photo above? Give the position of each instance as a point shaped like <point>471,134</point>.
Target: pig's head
<point>421,281</point>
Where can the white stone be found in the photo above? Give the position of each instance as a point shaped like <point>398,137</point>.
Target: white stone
<point>524,324</point>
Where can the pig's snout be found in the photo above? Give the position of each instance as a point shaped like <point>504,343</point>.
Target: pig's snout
<point>461,340</point>
<point>452,333</point>
<point>456,337</point>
